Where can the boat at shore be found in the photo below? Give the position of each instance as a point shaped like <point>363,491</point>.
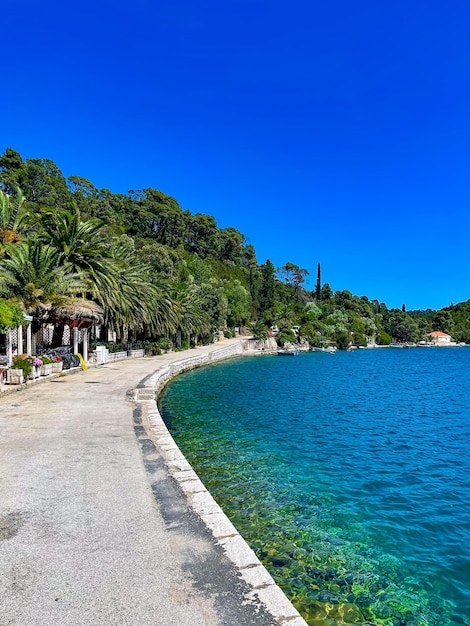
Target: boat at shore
<point>328,350</point>
<point>288,352</point>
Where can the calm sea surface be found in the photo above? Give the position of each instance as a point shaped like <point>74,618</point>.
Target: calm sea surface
<point>348,474</point>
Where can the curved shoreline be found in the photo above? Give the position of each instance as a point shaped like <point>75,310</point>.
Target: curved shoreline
<point>262,586</point>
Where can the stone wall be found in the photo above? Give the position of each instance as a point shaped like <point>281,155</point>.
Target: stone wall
<point>262,589</point>
<point>159,379</point>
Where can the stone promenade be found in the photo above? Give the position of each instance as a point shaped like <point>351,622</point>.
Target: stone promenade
<point>94,529</point>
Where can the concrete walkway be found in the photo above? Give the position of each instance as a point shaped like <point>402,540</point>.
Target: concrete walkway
<point>93,529</point>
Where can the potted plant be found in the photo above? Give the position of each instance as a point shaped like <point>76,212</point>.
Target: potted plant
<point>20,370</point>
<point>35,366</point>
<point>57,364</point>
<point>46,367</point>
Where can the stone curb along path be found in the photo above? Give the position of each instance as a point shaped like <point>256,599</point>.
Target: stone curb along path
<point>262,586</point>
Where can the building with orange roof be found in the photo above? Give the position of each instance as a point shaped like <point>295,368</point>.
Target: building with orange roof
<point>439,338</point>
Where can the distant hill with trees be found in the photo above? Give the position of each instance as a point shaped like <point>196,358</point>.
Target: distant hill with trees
<point>162,274</point>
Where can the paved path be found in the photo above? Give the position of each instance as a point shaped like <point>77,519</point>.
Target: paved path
<point>89,533</point>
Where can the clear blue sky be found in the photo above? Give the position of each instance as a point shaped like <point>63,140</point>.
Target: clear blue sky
<point>334,131</point>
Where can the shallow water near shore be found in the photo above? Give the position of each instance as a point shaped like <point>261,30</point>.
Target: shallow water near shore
<point>349,475</point>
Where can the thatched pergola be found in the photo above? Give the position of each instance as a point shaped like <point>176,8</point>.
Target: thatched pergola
<point>62,312</point>
<point>75,312</point>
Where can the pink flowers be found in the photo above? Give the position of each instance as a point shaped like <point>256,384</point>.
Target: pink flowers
<point>34,360</point>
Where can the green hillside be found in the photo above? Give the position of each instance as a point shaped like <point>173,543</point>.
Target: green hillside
<point>160,274</point>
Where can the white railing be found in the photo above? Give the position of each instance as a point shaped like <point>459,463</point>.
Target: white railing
<point>102,355</point>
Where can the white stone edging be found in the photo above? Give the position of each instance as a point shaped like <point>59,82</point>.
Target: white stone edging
<point>262,585</point>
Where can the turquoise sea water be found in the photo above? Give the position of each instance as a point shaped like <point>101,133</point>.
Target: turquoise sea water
<point>348,474</point>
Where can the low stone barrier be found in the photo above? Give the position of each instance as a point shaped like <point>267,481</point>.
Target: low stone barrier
<point>111,357</point>
<point>104,356</point>
<point>263,588</point>
<point>136,354</point>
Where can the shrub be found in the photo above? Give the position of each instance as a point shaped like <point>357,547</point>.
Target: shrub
<point>165,343</point>
<point>151,348</point>
<point>383,338</point>
<point>285,336</point>
<point>342,340</point>
<point>11,315</point>
<point>359,339</point>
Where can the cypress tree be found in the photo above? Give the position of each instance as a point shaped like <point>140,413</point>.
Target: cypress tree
<point>318,285</point>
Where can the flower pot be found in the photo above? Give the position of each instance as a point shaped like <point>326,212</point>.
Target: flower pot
<point>57,367</point>
<point>46,369</point>
<point>35,373</point>
<point>15,377</point>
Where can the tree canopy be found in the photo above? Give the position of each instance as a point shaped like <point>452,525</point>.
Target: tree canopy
<point>159,271</point>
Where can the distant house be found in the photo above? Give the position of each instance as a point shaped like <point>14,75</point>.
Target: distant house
<point>437,337</point>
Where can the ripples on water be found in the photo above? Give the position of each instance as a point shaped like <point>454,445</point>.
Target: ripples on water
<point>348,474</point>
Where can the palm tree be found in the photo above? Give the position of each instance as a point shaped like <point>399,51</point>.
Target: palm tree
<point>259,330</point>
<point>71,258</point>
<point>13,215</point>
<point>81,247</point>
<point>32,275</point>
<point>192,319</point>
<point>110,273</point>
<point>139,301</point>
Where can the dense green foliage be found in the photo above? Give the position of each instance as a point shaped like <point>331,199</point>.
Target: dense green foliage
<point>11,316</point>
<point>159,272</point>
